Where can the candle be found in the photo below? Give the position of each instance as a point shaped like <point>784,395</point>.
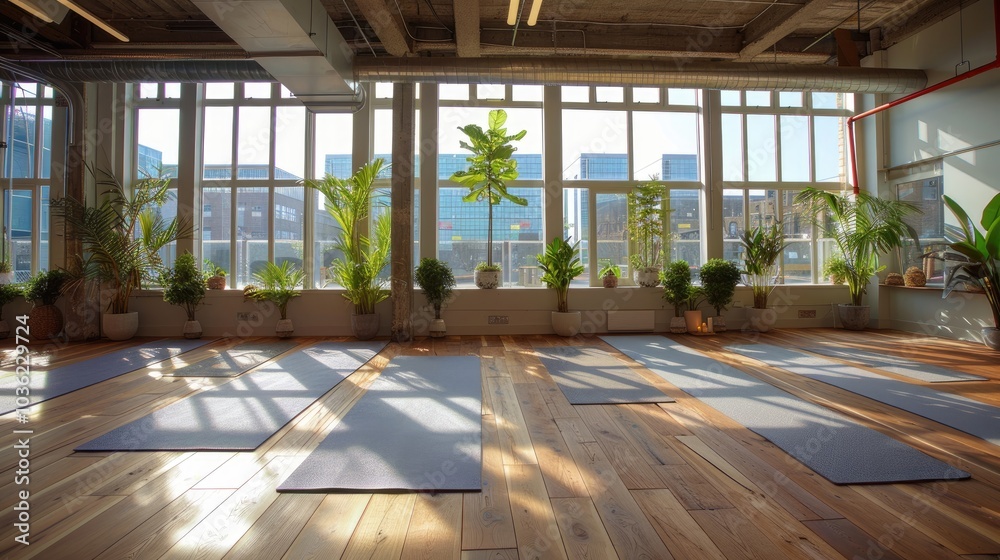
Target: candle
<point>704,328</point>
<point>711,328</point>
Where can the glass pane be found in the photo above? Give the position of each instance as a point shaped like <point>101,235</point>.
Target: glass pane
<point>758,98</point>
<point>325,232</point>
<point>49,93</point>
<point>763,207</point>
<point>383,90</point>
<point>148,91</point>
<point>157,134</point>
<point>824,100</point>
<point>289,205</point>
<point>732,147</point>
<point>218,148</point>
<point>612,233</point>
<point>761,153</point>
<point>595,145</point>
<point>257,90</point>
<point>289,143</point>
<point>17,220</point>
<point>797,265</point>
<point>576,94</point>
<point>665,146</point>
<point>610,94</point>
<point>453,92</point>
<point>732,225</point>
<point>528,93</point>
<point>334,142</point>
<point>928,225</point>
<point>43,231</point>
<point>790,98</point>
<point>254,143</point>
<point>646,95</point>
<point>168,211</point>
<point>219,90</point>
<point>45,169</point>
<point>682,96</point>
<point>576,227</point>
<point>491,91</point>
<point>828,134</point>
<point>684,214</point>
<point>794,148</point>
<point>382,141</point>
<point>172,90</point>
<point>216,228</point>
<point>453,158</point>
<point>252,234</point>
<point>731,98</point>
<point>22,159</point>
<point>286,93</point>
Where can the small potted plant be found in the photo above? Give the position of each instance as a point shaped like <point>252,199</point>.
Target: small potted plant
<point>279,284</point>
<point>487,276</point>
<point>762,245</point>
<point>677,291</point>
<point>184,286</point>
<point>610,273</point>
<point>8,292</point>
<point>835,268</point>
<point>215,275</point>
<point>645,226</point>
<point>718,281</point>
<point>437,281</point>
<point>560,264</point>
<point>43,290</point>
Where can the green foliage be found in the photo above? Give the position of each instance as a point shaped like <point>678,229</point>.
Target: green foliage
<point>762,247</point>
<point>183,285</point>
<point>486,267</point>
<point>718,279</point>
<point>491,166</point>
<point>862,226</point>
<point>677,288</point>
<point>560,264</point>
<point>278,284</point>
<point>646,216</point>
<point>45,287</point>
<point>349,203</point>
<point>836,269</point>
<point>122,235</point>
<point>982,248</point>
<point>210,269</point>
<point>436,280</point>
<point>610,268</point>
<point>8,293</point>
<point>5,257</point>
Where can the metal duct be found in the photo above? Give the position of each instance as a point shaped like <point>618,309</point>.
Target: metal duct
<point>679,73</point>
<point>125,71</point>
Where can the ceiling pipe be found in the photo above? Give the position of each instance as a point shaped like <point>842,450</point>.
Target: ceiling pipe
<point>941,85</point>
<point>129,71</point>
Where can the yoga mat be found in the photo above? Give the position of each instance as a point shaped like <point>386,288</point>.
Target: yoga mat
<point>967,415</point>
<point>241,414</point>
<point>592,376</point>
<point>839,449</point>
<point>236,360</point>
<point>418,428</point>
<point>899,366</point>
<point>58,381</point>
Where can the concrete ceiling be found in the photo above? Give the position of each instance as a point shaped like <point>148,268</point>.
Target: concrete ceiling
<point>780,31</point>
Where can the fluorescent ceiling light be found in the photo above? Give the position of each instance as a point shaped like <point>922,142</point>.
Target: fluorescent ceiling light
<point>94,19</point>
<point>536,5</point>
<point>512,12</point>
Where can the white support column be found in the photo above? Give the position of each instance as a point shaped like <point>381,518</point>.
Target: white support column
<point>428,154</point>
<point>711,229</point>
<point>552,163</point>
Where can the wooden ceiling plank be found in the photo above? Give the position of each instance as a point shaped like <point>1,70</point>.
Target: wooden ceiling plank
<point>386,25</point>
<point>776,25</point>
<point>467,27</point>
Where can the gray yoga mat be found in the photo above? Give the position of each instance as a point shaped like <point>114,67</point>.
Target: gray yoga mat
<point>45,385</point>
<point>899,366</point>
<point>592,376</point>
<point>243,413</point>
<point>967,415</point>
<point>839,449</point>
<point>236,360</point>
<point>418,428</point>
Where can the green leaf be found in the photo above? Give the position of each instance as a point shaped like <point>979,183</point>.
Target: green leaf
<point>992,242</point>
<point>968,226</point>
<point>497,118</point>
<point>991,214</point>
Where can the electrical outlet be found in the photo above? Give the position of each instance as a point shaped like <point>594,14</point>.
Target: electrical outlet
<point>499,319</point>
<point>248,316</point>
<point>807,313</point>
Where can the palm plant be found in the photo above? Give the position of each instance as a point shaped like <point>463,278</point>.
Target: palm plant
<point>762,247</point>
<point>122,235</point>
<point>560,264</point>
<point>862,226</point>
<point>983,251</point>
<point>279,284</point>
<point>491,165</point>
<point>364,257</point>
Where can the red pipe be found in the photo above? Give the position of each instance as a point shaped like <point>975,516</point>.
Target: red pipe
<point>971,74</point>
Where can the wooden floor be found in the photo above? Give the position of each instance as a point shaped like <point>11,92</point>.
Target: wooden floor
<point>677,480</point>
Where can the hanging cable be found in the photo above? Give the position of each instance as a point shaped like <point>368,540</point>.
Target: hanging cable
<point>360,30</point>
<point>961,41</point>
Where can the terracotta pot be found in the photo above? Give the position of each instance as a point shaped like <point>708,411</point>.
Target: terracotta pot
<point>216,283</point>
<point>610,281</point>
<point>692,320</point>
<point>44,322</point>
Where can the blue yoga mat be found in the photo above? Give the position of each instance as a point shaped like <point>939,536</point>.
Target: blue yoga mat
<point>900,366</point>
<point>592,376</point>
<point>839,449</point>
<point>241,414</point>
<point>58,381</point>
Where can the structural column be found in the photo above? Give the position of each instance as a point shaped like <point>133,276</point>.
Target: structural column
<point>402,211</point>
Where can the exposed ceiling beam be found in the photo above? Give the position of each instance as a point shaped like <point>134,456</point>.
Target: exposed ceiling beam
<point>904,24</point>
<point>467,27</point>
<point>776,24</point>
<point>386,25</point>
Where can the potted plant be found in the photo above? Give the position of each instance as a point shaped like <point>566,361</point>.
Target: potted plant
<point>645,226</point>
<point>42,290</point>
<point>677,291</point>
<point>835,268</point>
<point>437,281</point>
<point>862,226</point>
<point>184,285</point>
<point>610,273</point>
<point>279,284</point>
<point>983,251</point>
<point>215,276</point>
<point>122,237</point>
<point>718,281</point>
<point>8,292</point>
<point>359,271</point>
<point>762,245</point>
<point>491,166</point>
<point>560,264</point>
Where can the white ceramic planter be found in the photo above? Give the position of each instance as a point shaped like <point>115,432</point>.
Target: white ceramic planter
<point>120,326</point>
<point>566,324</point>
<point>192,329</point>
<point>648,278</point>
<point>487,279</point>
<point>284,328</point>
<point>438,328</point>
